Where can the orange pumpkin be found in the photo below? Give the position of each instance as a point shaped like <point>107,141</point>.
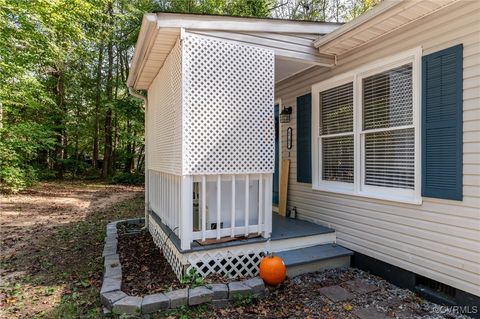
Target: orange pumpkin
<point>273,270</point>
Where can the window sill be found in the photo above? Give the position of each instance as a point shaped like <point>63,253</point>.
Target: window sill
<point>373,195</point>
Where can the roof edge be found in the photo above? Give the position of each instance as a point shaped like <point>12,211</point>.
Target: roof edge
<point>149,24</point>
<point>233,23</point>
<point>358,21</point>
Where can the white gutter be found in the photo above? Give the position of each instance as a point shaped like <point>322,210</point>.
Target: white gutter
<point>147,199</point>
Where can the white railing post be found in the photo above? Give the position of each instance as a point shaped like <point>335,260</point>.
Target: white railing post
<point>204,207</point>
<point>247,203</point>
<point>260,203</point>
<point>219,205</point>
<point>186,213</point>
<point>268,206</point>
<point>232,223</point>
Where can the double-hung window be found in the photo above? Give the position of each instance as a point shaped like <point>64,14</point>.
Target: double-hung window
<point>368,135</point>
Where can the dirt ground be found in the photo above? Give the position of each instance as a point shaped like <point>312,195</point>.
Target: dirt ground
<point>51,243</point>
<point>52,239</point>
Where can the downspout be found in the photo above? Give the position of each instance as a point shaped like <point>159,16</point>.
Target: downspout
<point>147,199</point>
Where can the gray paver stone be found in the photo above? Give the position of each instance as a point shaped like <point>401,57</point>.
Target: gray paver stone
<point>112,260</point>
<point>130,305</point>
<point>238,288</point>
<point>369,313</point>
<point>108,251</point>
<point>178,298</point>
<point>257,285</point>
<point>111,284</point>
<point>113,272</point>
<point>112,232</point>
<point>154,303</point>
<point>221,303</point>
<point>336,293</point>
<point>199,295</point>
<point>109,298</point>
<point>361,286</point>
<point>220,291</point>
<point>106,312</point>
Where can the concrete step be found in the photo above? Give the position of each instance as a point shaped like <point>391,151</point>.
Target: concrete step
<point>315,258</point>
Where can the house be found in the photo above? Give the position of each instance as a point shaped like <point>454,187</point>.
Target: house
<point>383,142</point>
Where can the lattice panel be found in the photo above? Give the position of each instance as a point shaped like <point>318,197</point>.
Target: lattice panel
<point>164,116</point>
<point>228,107</point>
<point>172,255</point>
<point>232,263</point>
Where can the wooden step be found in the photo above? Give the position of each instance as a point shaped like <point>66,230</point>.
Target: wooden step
<point>315,258</point>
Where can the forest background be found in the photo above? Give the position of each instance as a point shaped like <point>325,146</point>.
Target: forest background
<point>65,111</point>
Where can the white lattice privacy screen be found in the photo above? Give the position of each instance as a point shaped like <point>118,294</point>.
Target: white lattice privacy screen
<point>228,108</point>
<point>210,112</point>
<point>164,116</point>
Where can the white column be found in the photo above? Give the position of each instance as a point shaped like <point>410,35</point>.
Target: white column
<point>261,208</point>
<point>204,207</point>
<point>268,206</point>
<point>232,224</point>
<point>219,205</point>
<point>186,213</point>
<point>247,202</point>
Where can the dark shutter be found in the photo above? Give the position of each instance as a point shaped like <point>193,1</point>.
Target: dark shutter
<point>442,100</point>
<point>304,138</point>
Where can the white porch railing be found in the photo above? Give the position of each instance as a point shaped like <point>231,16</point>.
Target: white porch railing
<point>165,197</point>
<point>205,207</point>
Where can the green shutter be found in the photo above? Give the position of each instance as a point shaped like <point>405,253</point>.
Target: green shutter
<point>304,138</point>
<point>442,100</point>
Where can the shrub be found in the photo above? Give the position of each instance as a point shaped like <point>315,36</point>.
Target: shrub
<point>128,178</point>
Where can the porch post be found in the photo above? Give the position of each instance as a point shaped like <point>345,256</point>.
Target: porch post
<point>267,232</point>
<point>186,212</point>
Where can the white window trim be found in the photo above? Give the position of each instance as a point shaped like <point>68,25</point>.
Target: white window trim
<point>413,56</point>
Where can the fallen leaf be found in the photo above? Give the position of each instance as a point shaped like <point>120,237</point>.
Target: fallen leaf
<point>347,307</point>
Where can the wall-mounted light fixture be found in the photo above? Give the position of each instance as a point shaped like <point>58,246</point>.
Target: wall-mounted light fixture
<point>285,115</point>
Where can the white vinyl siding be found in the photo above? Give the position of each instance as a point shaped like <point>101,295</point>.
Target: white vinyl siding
<point>439,239</point>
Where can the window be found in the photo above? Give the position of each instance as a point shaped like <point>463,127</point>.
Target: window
<point>367,124</point>
<point>389,134</point>
<point>336,131</point>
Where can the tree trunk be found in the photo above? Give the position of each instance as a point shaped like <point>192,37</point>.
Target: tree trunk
<point>98,95</point>
<point>60,123</point>
<point>107,153</point>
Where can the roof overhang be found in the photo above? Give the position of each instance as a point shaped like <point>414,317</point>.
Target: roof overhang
<point>290,40</point>
<point>380,21</point>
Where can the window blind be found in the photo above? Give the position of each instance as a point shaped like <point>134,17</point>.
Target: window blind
<point>390,159</point>
<point>337,159</point>
<point>337,110</point>
<point>388,99</point>
<point>336,121</point>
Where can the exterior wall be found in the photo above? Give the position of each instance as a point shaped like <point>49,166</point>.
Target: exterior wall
<point>439,239</point>
<point>164,116</point>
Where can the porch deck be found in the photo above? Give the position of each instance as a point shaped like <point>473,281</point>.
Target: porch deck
<point>283,228</point>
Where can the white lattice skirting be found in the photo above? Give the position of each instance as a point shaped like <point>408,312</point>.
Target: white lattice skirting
<point>233,261</point>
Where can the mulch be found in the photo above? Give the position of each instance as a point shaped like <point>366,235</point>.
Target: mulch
<point>145,269</point>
